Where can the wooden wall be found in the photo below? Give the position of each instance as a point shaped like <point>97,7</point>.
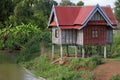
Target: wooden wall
<point>79,37</point>
<point>56,40</point>
<point>97,17</point>
<point>89,40</point>
<point>109,35</point>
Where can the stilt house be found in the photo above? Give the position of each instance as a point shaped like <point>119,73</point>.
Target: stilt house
<point>81,26</point>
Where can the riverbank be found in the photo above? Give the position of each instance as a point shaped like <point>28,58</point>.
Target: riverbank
<point>71,68</point>
<point>30,76</point>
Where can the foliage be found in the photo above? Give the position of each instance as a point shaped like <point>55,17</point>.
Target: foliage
<point>75,63</point>
<point>6,10</point>
<point>16,37</point>
<point>29,38</point>
<point>42,67</point>
<point>116,77</point>
<point>87,75</point>
<point>16,12</point>
<point>32,11</point>
<point>116,45</point>
<point>80,3</point>
<point>66,3</point>
<point>87,63</point>
<point>93,61</point>
<point>117,9</point>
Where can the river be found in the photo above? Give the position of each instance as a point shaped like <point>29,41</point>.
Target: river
<point>9,70</point>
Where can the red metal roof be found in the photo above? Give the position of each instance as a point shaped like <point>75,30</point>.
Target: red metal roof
<point>97,23</point>
<point>69,16</point>
<point>83,14</point>
<point>66,15</point>
<point>110,15</point>
<point>70,27</point>
<point>53,23</point>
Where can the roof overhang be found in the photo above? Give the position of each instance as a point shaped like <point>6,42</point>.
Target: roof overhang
<point>70,27</point>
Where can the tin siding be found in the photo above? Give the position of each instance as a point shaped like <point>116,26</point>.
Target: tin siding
<point>80,37</point>
<point>69,37</point>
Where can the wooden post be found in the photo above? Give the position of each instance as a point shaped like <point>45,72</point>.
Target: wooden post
<point>105,55</point>
<point>76,51</point>
<point>61,51</point>
<point>110,50</point>
<point>67,51</point>
<point>52,51</point>
<point>83,53</point>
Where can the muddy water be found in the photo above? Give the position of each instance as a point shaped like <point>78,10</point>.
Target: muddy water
<point>9,70</point>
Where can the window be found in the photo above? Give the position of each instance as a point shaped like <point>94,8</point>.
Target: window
<point>56,33</point>
<point>94,34</point>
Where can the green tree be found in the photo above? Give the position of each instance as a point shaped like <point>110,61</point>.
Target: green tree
<point>6,9</point>
<point>80,3</point>
<point>117,10</point>
<point>32,11</point>
<point>66,3</point>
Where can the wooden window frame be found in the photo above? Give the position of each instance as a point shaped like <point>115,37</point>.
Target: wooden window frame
<point>56,33</point>
<point>94,33</point>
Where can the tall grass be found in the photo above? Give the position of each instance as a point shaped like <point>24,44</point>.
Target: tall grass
<point>116,77</point>
<point>116,46</point>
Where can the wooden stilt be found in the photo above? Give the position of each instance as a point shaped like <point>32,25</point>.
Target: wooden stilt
<point>61,50</point>
<point>105,55</point>
<point>52,51</point>
<point>67,51</point>
<point>76,51</point>
<point>110,50</point>
<point>83,53</point>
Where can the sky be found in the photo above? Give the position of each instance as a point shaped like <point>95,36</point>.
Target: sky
<point>94,2</point>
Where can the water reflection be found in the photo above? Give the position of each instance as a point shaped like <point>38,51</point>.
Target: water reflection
<point>8,69</point>
<point>11,71</point>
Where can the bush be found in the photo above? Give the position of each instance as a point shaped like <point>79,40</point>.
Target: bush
<point>87,75</point>
<point>16,37</point>
<point>25,37</point>
<point>116,77</point>
<point>94,61</point>
<point>75,63</point>
<point>116,46</point>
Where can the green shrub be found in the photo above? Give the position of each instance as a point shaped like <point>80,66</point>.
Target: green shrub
<point>87,75</point>
<point>116,77</point>
<point>16,37</point>
<point>116,45</point>
<point>32,48</point>
<point>75,63</point>
<point>94,61</point>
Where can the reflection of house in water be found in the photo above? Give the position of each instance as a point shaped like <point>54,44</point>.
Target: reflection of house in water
<point>81,26</point>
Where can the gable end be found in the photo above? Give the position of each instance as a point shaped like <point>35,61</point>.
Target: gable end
<point>97,9</point>
<point>53,18</point>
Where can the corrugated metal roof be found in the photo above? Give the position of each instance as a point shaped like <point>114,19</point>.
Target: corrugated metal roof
<point>70,27</point>
<point>83,14</point>
<point>66,15</point>
<point>53,24</point>
<point>69,16</point>
<point>97,23</point>
<point>110,15</point>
